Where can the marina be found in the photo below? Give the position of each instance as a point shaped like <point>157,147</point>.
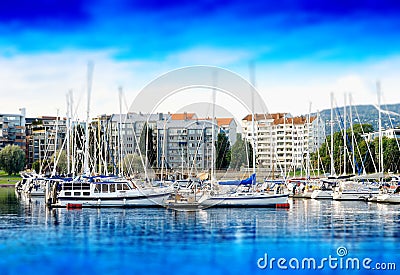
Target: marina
<point>213,240</point>
<point>199,137</point>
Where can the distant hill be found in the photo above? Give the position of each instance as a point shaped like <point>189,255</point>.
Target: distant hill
<point>366,114</point>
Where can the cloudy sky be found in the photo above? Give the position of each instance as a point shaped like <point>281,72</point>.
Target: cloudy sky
<point>302,50</point>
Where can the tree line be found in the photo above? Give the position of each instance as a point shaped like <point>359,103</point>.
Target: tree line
<point>364,156</point>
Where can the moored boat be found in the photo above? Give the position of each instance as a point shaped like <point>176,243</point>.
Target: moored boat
<point>103,191</point>
<point>322,194</point>
<point>390,197</point>
<point>355,191</point>
<point>246,194</point>
<point>325,191</point>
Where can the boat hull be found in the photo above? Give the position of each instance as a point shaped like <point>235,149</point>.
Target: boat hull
<point>247,200</point>
<point>353,196</point>
<point>322,195</point>
<point>148,200</point>
<point>389,198</point>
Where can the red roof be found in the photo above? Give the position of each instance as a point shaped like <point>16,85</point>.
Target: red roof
<point>220,121</point>
<point>294,120</point>
<point>264,116</point>
<point>183,116</point>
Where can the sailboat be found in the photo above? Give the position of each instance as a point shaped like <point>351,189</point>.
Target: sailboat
<point>360,187</point>
<point>108,191</point>
<point>391,194</point>
<point>245,192</point>
<point>103,191</point>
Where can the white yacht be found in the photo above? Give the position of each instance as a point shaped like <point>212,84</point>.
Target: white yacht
<point>390,195</point>
<point>244,195</point>
<point>322,194</point>
<point>243,199</point>
<point>353,191</point>
<point>389,198</point>
<point>103,191</point>
<point>31,184</point>
<point>325,191</point>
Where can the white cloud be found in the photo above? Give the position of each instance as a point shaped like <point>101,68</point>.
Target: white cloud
<point>291,87</point>
<point>39,82</point>
<point>209,56</point>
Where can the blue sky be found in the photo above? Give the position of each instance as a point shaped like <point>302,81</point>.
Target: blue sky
<point>302,50</point>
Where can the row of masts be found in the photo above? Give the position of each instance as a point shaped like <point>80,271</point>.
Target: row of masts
<point>86,161</point>
<point>345,138</point>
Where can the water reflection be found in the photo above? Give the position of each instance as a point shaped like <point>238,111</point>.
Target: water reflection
<point>104,240</point>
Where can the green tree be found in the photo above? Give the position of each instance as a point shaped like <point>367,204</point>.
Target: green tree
<point>240,155</point>
<point>62,164</point>
<point>133,164</point>
<point>36,166</point>
<point>361,154</point>
<point>12,159</point>
<point>223,152</point>
<point>147,142</point>
<point>391,154</point>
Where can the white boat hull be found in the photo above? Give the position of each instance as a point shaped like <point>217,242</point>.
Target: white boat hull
<point>353,195</point>
<point>246,200</point>
<point>139,200</point>
<point>389,198</point>
<point>322,194</point>
<point>37,193</point>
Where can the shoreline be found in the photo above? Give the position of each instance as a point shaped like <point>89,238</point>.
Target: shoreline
<point>7,185</point>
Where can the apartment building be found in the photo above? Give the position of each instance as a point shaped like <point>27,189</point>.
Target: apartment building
<point>12,130</point>
<point>389,133</point>
<point>118,135</point>
<point>185,145</point>
<point>44,136</point>
<point>187,142</point>
<point>282,142</point>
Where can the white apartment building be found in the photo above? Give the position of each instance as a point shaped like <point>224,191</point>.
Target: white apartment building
<point>185,145</point>
<point>228,126</point>
<point>283,142</point>
<point>389,133</point>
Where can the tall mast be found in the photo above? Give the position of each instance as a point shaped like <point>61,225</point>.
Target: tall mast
<point>332,124</point>
<point>308,142</point>
<point>318,135</point>
<point>86,170</point>
<point>72,133</point>
<point>120,159</point>
<point>344,135</point>
<point>284,145</point>
<point>378,88</point>
<point>352,134</point>
<point>55,146</point>
<point>213,128</point>
<point>68,133</point>
<point>163,151</point>
<point>253,135</point>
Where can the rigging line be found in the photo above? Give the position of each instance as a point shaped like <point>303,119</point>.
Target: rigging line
<point>390,119</point>
<point>367,143</point>
<point>347,140</point>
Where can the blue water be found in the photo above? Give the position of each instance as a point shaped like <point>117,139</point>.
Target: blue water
<point>35,240</point>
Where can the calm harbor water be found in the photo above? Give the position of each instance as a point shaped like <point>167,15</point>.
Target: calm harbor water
<point>35,240</point>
